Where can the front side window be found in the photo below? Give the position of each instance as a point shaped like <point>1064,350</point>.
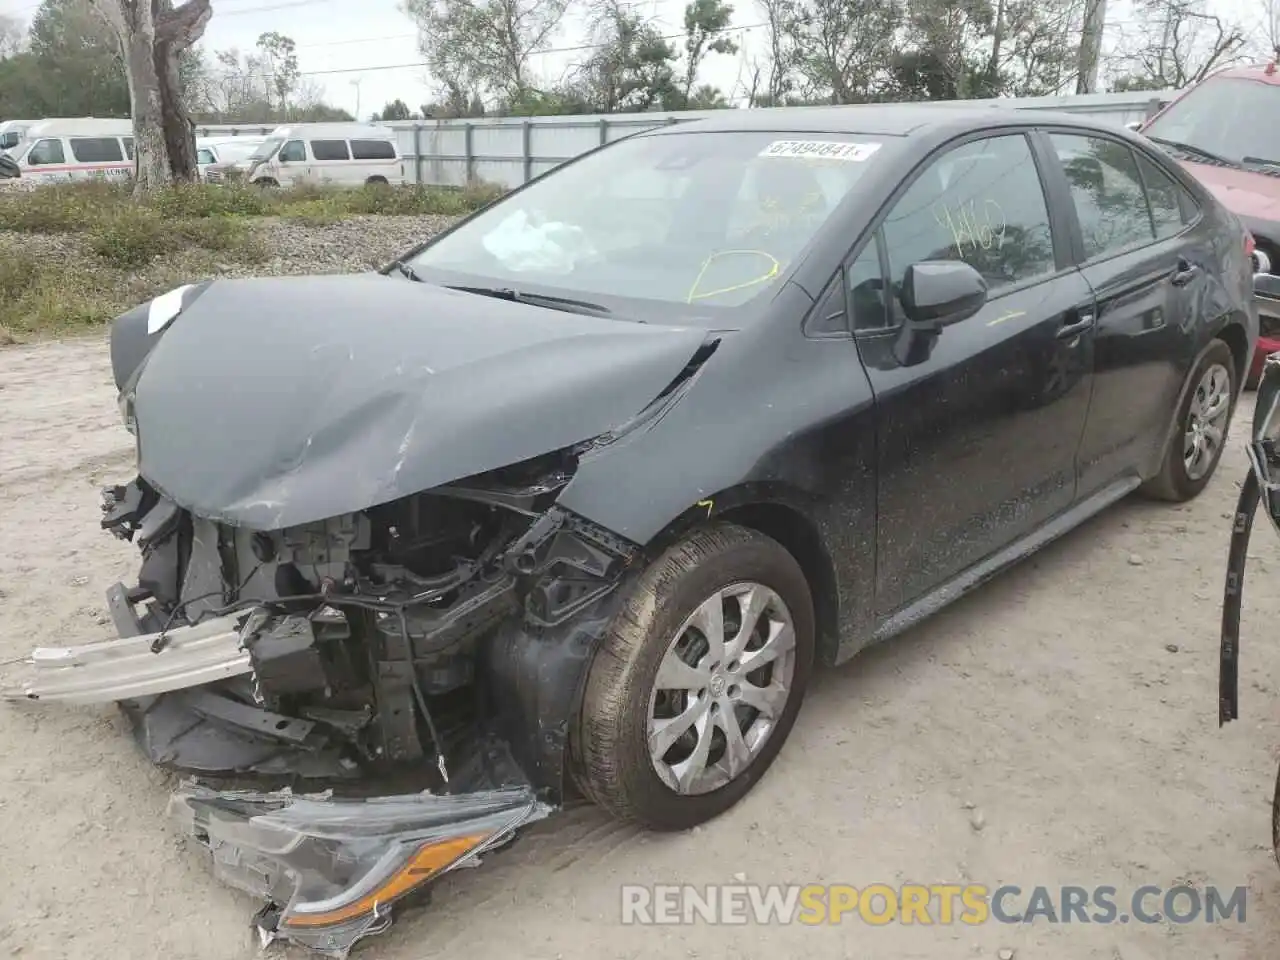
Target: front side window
<point>1228,116</point>
<point>981,203</point>
<point>709,220</point>
<point>330,150</point>
<point>128,146</point>
<point>293,152</point>
<point>1107,191</point>
<point>46,152</point>
<point>97,149</point>
<point>204,157</point>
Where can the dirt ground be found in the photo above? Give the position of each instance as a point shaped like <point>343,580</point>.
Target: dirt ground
<point>1042,731</point>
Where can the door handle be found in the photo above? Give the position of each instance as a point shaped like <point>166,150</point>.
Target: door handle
<point>1073,328</point>
<point>1184,273</point>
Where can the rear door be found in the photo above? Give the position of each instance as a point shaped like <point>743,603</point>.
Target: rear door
<point>1149,273</point>
<point>976,444</point>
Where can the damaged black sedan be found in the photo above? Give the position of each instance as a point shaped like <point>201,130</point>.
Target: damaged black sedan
<point>573,497</point>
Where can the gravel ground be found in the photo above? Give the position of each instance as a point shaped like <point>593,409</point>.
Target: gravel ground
<point>356,243</point>
<point>1056,727</point>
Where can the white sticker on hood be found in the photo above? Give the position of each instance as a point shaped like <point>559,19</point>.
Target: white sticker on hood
<point>820,150</point>
<point>164,308</point>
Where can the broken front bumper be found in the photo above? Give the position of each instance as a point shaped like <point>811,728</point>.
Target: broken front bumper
<point>131,667</point>
<point>332,870</point>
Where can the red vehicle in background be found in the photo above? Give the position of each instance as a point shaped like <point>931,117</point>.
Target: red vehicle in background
<point>1226,131</point>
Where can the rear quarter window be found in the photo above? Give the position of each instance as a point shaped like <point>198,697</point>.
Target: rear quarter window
<point>330,150</point>
<point>373,150</point>
<point>97,149</point>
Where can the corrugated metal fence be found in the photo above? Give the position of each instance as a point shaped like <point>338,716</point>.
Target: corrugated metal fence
<point>511,150</point>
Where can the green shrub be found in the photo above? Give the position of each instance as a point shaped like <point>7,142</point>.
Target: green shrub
<point>60,208</point>
<point>18,273</point>
<point>225,234</point>
<point>130,237</point>
<point>210,200</point>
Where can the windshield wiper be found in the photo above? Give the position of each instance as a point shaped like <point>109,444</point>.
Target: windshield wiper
<point>407,271</point>
<point>1261,162</point>
<point>1195,151</point>
<point>537,299</point>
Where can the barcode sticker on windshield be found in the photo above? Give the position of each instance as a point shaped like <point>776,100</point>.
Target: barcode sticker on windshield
<point>820,150</point>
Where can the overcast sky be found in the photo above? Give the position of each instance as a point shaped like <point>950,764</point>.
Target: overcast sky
<point>364,52</point>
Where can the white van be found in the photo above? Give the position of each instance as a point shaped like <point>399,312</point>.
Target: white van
<point>11,132</point>
<point>222,152</point>
<point>55,151</point>
<point>350,154</point>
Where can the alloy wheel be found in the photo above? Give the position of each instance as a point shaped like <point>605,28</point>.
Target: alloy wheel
<point>1207,421</point>
<point>721,688</point>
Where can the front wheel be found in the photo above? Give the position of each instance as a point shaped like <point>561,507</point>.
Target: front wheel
<point>698,680</point>
<point>1202,421</point>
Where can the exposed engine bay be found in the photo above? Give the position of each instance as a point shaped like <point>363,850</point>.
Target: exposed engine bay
<point>394,643</point>
<point>363,631</point>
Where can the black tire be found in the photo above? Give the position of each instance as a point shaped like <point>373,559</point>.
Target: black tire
<point>266,183</point>
<point>608,743</point>
<point>376,182</point>
<point>1172,483</point>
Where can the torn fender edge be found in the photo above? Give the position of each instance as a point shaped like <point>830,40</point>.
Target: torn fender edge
<point>331,870</point>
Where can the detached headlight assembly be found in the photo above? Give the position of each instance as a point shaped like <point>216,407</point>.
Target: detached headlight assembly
<point>331,869</point>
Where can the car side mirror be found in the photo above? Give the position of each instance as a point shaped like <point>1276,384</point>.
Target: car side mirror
<point>1266,286</point>
<point>9,168</point>
<point>935,294</point>
<point>1134,125</point>
<point>938,293</point>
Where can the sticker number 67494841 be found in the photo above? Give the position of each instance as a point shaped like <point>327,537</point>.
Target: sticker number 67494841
<point>820,150</point>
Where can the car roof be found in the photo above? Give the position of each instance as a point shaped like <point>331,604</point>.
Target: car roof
<point>1262,72</point>
<point>881,119</point>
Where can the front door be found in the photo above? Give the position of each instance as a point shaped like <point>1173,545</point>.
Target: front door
<point>1148,271</point>
<point>977,443</point>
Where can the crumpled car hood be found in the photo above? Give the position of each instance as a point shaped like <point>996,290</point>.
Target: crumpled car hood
<point>273,402</point>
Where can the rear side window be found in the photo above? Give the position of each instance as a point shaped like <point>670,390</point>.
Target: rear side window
<point>1107,190</point>
<point>1168,205</point>
<point>981,203</point>
<point>97,149</point>
<point>46,151</point>
<point>372,150</point>
<point>330,150</point>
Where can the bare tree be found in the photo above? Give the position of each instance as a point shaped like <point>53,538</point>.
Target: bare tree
<point>770,78</point>
<point>1271,26</point>
<point>841,47</point>
<point>1178,42</point>
<point>485,45</point>
<point>153,35</point>
<point>13,37</point>
<point>279,55</point>
<point>705,23</point>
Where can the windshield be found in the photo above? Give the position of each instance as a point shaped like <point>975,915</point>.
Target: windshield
<point>1227,116</point>
<point>712,219</point>
<point>267,148</point>
<point>232,152</point>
